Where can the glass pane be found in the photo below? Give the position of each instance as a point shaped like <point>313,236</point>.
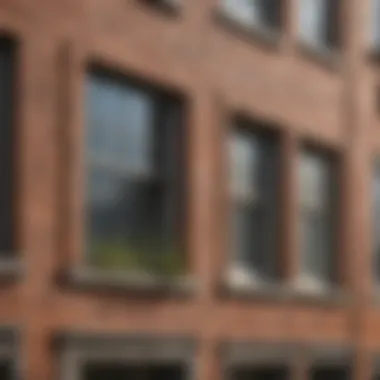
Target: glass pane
<point>125,225</point>
<point>120,125</point>
<point>313,21</point>
<point>244,166</point>
<point>245,11</point>
<point>315,250</point>
<point>314,182</point>
<point>375,24</point>
<point>247,242</point>
<point>270,12</point>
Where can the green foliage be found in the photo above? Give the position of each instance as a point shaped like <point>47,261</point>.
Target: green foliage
<point>155,259</point>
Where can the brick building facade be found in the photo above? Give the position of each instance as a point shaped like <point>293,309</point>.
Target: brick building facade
<point>299,101</point>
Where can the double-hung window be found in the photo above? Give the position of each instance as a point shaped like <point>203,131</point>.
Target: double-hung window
<point>254,190</point>
<point>133,171</point>
<point>316,220</point>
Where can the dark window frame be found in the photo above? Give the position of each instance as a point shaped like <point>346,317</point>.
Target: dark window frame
<point>268,141</point>
<point>159,95</point>
<point>331,211</point>
<point>10,260</point>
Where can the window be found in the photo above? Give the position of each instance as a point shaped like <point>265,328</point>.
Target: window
<point>9,354</point>
<point>376,220</point>
<point>375,25</point>
<point>330,373</point>
<point>134,162</point>
<point>254,166</point>
<point>168,5</point>
<point>100,357</point>
<point>261,373</point>
<point>316,219</point>
<point>117,371</point>
<point>318,24</point>
<point>7,56</point>
<point>260,13</point>
<point>258,360</point>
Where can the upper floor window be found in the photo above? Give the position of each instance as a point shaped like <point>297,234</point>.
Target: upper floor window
<point>376,220</point>
<point>375,25</point>
<point>7,72</point>
<point>254,13</point>
<point>133,171</point>
<point>316,220</point>
<point>254,167</point>
<point>318,23</point>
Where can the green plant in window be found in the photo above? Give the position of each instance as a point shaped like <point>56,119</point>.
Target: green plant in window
<point>148,257</point>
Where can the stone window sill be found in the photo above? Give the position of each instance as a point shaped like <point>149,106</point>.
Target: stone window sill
<point>87,278</point>
<point>265,35</point>
<point>277,292</point>
<point>324,56</point>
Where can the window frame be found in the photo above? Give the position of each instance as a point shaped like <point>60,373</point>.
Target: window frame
<point>75,348</point>
<point>261,131</point>
<point>331,211</point>
<point>10,260</point>
<point>327,52</point>
<point>158,176</point>
<point>10,349</point>
<point>264,33</point>
<point>73,270</point>
<point>257,354</point>
<point>324,357</point>
<point>296,357</point>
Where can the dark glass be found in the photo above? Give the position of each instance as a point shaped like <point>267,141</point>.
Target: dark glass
<point>7,64</point>
<point>117,371</point>
<point>261,373</point>
<point>331,373</point>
